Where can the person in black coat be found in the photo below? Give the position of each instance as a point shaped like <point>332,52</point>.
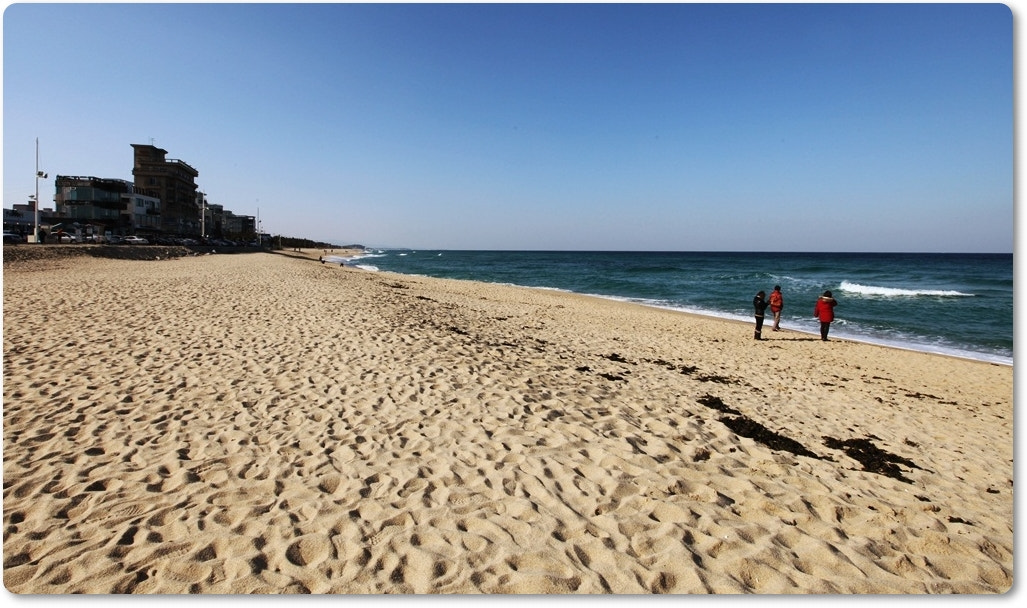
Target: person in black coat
<point>760,306</point>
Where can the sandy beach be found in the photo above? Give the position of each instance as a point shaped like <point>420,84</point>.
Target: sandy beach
<point>264,423</point>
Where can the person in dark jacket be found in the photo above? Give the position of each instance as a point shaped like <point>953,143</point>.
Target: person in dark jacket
<point>760,306</point>
<point>824,310</point>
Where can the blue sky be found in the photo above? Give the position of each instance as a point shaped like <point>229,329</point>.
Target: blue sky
<point>616,127</point>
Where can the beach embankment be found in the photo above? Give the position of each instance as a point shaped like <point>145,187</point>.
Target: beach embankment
<point>263,423</point>
<point>24,253</point>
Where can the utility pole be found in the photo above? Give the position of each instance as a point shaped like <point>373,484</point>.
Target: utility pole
<point>203,215</point>
<point>39,174</point>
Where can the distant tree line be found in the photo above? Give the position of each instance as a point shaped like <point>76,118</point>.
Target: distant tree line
<point>291,242</point>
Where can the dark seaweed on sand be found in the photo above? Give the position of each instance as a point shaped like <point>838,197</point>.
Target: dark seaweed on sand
<point>715,378</point>
<point>873,458</point>
<point>617,358</point>
<point>684,369</point>
<point>747,427</point>
<point>753,430</point>
<point>716,403</point>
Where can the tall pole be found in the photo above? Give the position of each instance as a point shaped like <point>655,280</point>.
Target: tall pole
<point>35,234</point>
<point>39,174</point>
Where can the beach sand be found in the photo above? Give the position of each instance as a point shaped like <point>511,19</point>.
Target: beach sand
<point>264,423</point>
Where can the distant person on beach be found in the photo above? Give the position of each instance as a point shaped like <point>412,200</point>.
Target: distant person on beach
<point>777,304</point>
<point>824,310</point>
<point>760,305</point>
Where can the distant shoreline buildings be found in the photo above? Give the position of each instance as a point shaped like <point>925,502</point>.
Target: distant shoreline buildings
<point>162,200</point>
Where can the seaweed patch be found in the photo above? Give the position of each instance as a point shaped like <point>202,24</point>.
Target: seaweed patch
<point>715,378</point>
<point>873,458</point>
<point>716,403</point>
<point>684,369</point>
<point>753,430</point>
<point>617,358</point>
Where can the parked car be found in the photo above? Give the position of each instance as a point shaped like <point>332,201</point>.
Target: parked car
<point>12,238</point>
<point>135,240</point>
<point>115,239</point>
<point>64,237</point>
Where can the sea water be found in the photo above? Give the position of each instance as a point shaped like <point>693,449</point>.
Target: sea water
<point>953,304</point>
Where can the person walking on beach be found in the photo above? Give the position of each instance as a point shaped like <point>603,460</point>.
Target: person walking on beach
<point>824,310</point>
<point>760,305</point>
<point>777,304</point>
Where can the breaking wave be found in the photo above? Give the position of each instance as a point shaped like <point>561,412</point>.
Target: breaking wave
<point>895,292</point>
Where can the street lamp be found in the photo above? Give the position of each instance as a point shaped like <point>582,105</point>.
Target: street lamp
<point>39,174</point>
<point>203,215</point>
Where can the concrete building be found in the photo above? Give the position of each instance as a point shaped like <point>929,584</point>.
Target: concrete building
<point>215,220</point>
<point>174,183</point>
<point>162,201</point>
<point>239,226</point>
<point>111,206</point>
<point>144,213</point>
<point>20,219</point>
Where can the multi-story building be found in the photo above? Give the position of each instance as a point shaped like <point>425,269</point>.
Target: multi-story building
<point>174,183</point>
<point>144,212</point>
<point>91,199</point>
<point>214,220</point>
<point>163,198</point>
<point>110,205</point>
<point>239,226</point>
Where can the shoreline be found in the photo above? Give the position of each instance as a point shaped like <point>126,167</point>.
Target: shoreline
<point>966,356</point>
<point>257,424</point>
<point>954,352</point>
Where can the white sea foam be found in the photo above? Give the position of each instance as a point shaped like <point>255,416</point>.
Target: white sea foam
<point>364,256</point>
<point>895,292</point>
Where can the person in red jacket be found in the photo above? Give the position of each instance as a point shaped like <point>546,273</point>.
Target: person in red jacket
<point>824,310</point>
<point>777,303</point>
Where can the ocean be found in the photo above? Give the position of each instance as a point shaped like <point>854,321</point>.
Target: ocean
<point>952,304</point>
